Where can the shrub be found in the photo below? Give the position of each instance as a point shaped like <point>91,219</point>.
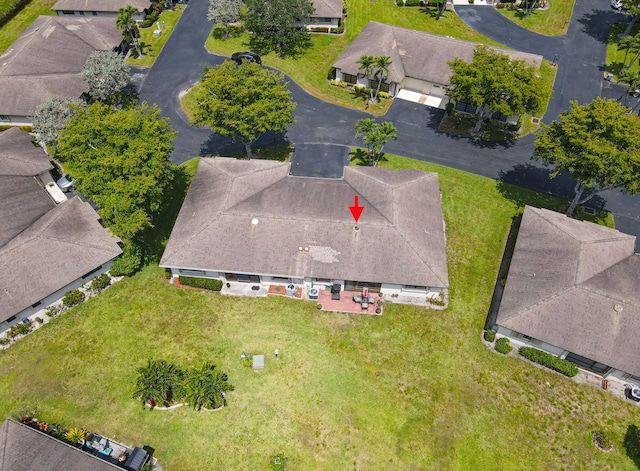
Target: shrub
<point>100,282</point>
<point>19,329</point>
<point>204,283</point>
<point>51,311</point>
<point>73,297</point>
<point>338,30</point>
<point>602,441</point>
<point>449,107</point>
<point>129,262</point>
<point>412,3</point>
<point>338,83</point>
<point>167,273</point>
<point>490,336</point>
<point>146,23</point>
<point>75,435</point>
<point>278,463</point>
<point>4,340</point>
<point>550,361</point>
<point>503,345</point>
<point>383,95</point>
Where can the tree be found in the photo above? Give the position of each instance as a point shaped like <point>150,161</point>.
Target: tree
<point>243,102</point>
<point>120,161</point>
<point>441,5</point>
<point>53,115</point>
<point>376,69</point>
<point>106,73</point>
<point>629,44</point>
<point>597,144</point>
<point>205,387</point>
<point>632,7</point>
<point>278,25</point>
<point>158,383</point>
<point>494,82</point>
<point>224,12</point>
<point>529,6</point>
<point>375,136</point>
<point>126,22</point>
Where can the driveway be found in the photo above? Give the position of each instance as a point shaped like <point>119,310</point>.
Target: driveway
<point>580,77</point>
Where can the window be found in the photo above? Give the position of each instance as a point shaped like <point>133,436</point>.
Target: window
<point>36,304</point>
<point>4,118</point>
<point>192,272</point>
<point>358,285</point>
<point>348,78</point>
<point>280,279</point>
<point>68,12</point>
<point>497,116</point>
<point>94,13</point>
<point>81,13</point>
<point>383,88</point>
<point>11,319</point>
<point>465,107</point>
<point>587,364</point>
<point>86,275</point>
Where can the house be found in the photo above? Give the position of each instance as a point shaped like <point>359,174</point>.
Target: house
<point>108,8</point>
<point>46,60</point>
<point>573,290</point>
<point>327,15</point>
<point>252,222</point>
<point>419,68</point>
<point>48,245</point>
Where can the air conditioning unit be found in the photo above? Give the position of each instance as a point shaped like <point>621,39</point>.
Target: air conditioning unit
<point>313,293</point>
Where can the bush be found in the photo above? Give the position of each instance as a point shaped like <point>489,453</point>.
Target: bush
<point>204,283</point>
<point>4,340</point>
<point>490,336</point>
<point>129,262</point>
<point>100,282</point>
<point>449,107</point>
<point>19,329</point>
<point>602,441</point>
<point>338,30</point>
<point>338,83</point>
<point>146,23</point>
<point>550,361</point>
<point>73,297</point>
<point>503,345</point>
<point>412,3</point>
<point>383,95</point>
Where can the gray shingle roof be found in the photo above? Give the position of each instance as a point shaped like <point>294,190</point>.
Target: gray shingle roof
<point>100,5</point>
<point>565,278</point>
<point>25,449</point>
<point>47,58</point>
<point>414,54</point>
<point>327,9</point>
<point>19,156</point>
<point>401,237</point>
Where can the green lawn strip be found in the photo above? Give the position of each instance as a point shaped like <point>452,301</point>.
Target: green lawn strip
<point>553,21</point>
<point>420,382</point>
<point>311,70</point>
<point>149,41</point>
<point>615,57</point>
<point>16,26</point>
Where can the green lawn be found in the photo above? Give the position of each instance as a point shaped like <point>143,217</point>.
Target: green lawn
<point>311,70</point>
<point>552,21</point>
<point>412,389</point>
<point>14,28</point>
<point>148,41</point>
<point>615,57</point>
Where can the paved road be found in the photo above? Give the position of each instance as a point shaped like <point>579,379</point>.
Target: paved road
<point>580,77</point>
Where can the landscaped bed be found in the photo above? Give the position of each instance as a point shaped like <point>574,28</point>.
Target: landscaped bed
<point>421,382</point>
<point>552,20</point>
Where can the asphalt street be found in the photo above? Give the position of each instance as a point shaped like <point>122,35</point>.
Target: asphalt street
<point>580,77</point>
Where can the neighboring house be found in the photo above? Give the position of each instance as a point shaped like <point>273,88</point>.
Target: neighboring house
<point>48,245</point>
<point>419,70</point>
<point>573,290</point>
<point>327,14</point>
<point>100,7</point>
<point>250,221</point>
<point>23,448</point>
<point>46,60</point>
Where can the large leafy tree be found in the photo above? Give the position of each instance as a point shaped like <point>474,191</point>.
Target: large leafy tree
<point>52,116</point>
<point>277,25</point>
<point>375,136</point>
<point>127,23</point>
<point>119,160</point>
<point>243,102</point>
<point>597,144</point>
<point>158,382</point>
<point>106,73</point>
<point>224,12</point>
<point>495,82</point>
<point>205,387</point>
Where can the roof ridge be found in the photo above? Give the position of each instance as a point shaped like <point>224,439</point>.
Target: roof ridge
<point>605,294</point>
<point>28,39</point>
<point>542,301</point>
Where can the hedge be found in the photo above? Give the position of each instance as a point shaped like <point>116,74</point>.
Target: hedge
<point>100,282</point>
<point>503,345</point>
<point>550,361</point>
<point>204,283</point>
<point>73,297</point>
<point>490,335</point>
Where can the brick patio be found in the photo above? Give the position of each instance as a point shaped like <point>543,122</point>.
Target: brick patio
<point>346,303</point>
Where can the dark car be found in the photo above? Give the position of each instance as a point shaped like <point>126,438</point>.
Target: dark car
<point>246,56</point>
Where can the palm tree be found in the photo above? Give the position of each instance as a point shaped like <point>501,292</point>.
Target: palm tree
<point>158,382</point>
<point>629,44</point>
<point>381,65</point>
<point>363,128</point>
<point>375,137</point>
<point>127,24</point>
<point>366,64</point>
<point>205,387</point>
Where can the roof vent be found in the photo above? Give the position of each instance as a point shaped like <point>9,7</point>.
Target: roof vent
<point>306,249</point>
<point>254,221</point>
<point>356,228</point>
<point>618,308</point>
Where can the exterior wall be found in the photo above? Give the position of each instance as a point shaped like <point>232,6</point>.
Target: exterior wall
<point>15,120</point>
<point>517,337</point>
<point>424,87</point>
<point>103,14</point>
<point>38,311</point>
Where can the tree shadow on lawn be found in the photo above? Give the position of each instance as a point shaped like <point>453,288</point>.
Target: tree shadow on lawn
<point>632,444</point>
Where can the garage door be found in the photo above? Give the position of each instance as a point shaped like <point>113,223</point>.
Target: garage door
<point>416,85</point>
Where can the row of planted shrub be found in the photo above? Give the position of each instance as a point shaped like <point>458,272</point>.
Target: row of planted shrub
<point>503,345</point>
<point>203,283</point>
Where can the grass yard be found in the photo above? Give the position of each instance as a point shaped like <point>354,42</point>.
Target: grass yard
<point>412,389</point>
<point>553,21</point>
<point>615,58</point>
<point>152,46</point>
<point>312,69</point>
<point>14,28</point>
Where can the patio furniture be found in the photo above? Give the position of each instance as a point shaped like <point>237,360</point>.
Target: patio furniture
<point>137,459</point>
<point>335,291</point>
<point>357,299</point>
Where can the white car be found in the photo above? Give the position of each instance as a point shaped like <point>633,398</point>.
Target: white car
<point>65,184</point>
<point>618,5</point>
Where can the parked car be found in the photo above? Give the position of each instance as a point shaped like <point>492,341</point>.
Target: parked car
<point>246,56</point>
<point>618,5</point>
<point>65,184</point>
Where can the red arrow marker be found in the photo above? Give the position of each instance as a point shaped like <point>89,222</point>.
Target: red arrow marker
<point>356,210</point>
